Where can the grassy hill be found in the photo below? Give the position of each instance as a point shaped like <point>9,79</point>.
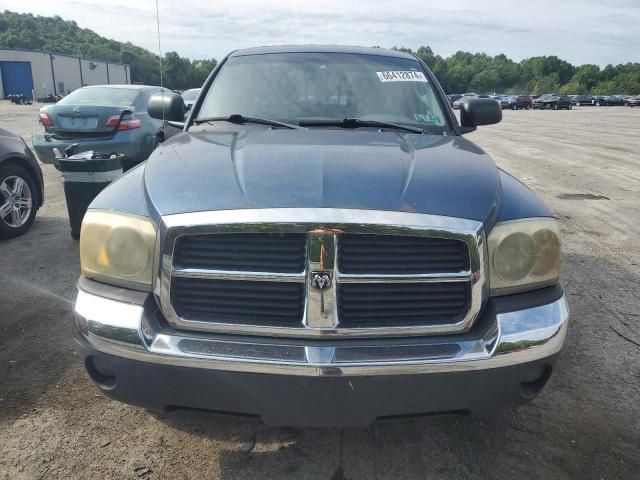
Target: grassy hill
<point>18,30</point>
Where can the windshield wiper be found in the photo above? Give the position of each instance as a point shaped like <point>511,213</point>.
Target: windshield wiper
<point>357,123</point>
<point>241,119</point>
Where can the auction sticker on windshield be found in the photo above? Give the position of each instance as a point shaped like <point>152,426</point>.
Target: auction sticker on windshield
<point>401,76</point>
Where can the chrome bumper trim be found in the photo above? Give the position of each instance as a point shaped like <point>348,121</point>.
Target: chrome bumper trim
<point>128,331</point>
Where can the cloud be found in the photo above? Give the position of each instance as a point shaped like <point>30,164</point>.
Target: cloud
<point>595,31</point>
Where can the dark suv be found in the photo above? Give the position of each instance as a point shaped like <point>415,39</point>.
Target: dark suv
<point>524,102</point>
<point>554,101</point>
<point>340,252</point>
<point>579,100</point>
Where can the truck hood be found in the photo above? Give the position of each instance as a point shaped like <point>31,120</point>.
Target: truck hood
<point>322,168</point>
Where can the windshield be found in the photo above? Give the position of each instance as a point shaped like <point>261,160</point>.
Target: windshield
<point>290,87</point>
<point>190,95</point>
<point>102,96</point>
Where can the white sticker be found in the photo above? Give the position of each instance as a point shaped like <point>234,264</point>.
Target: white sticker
<point>402,76</point>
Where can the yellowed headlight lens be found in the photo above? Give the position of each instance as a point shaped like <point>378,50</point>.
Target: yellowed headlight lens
<point>523,255</point>
<point>117,248</point>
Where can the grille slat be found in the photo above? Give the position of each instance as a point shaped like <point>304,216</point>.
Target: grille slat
<point>237,301</point>
<point>390,254</point>
<point>373,304</point>
<point>258,252</point>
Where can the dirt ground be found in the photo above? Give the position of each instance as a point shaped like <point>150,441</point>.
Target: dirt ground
<point>54,424</point>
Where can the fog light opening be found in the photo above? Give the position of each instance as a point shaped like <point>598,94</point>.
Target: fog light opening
<point>534,379</point>
<point>100,370</point>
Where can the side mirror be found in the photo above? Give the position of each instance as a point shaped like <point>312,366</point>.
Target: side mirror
<point>479,111</point>
<point>167,105</point>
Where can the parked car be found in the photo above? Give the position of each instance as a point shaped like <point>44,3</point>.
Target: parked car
<point>602,100</point>
<point>106,118</point>
<point>453,97</point>
<point>189,96</point>
<point>634,101</point>
<point>524,102</point>
<point>503,100</point>
<point>538,101</point>
<point>555,101</point>
<point>617,100</point>
<point>21,185</point>
<point>336,240</point>
<point>579,100</point>
<point>456,104</point>
<point>514,102</point>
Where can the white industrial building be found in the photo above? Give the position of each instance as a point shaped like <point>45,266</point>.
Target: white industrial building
<point>38,74</point>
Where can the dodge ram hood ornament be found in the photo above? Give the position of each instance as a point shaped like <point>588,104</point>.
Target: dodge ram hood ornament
<point>321,280</point>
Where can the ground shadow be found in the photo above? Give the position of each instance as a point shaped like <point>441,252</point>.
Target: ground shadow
<point>39,271</point>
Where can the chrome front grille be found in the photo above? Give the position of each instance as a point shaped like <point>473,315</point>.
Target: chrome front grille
<point>321,272</point>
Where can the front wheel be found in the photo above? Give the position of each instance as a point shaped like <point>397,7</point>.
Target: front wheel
<point>598,104</point>
<point>17,201</point>
<point>570,107</point>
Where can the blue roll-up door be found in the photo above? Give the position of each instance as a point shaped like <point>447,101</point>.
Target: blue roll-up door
<point>16,78</point>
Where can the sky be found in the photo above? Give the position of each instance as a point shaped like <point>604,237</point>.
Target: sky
<point>587,31</point>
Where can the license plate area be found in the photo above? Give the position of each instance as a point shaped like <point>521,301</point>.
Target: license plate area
<point>77,123</point>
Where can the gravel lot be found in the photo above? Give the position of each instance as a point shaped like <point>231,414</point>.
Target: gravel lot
<point>585,425</point>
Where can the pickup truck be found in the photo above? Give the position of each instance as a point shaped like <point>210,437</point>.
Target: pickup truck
<point>320,246</point>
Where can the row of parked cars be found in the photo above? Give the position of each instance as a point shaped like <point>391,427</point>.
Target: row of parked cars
<point>606,100</point>
<point>554,101</point>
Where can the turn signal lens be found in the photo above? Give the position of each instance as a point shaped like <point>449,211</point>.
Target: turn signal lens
<point>45,120</point>
<point>117,248</point>
<point>524,255</point>
<point>124,123</point>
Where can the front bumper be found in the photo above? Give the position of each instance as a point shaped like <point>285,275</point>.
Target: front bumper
<point>134,357</point>
<point>134,146</point>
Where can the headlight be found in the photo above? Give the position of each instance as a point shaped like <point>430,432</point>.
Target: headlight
<point>523,255</point>
<point>117,248</point>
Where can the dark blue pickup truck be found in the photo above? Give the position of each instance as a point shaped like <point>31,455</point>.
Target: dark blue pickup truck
<point>320,246</point>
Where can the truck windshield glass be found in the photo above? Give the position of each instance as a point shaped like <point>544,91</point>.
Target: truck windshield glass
<point>302,87</point>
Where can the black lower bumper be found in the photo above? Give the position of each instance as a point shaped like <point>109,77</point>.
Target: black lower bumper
<point>285,400</point>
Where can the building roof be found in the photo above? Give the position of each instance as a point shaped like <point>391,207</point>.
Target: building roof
<point>111,62</point>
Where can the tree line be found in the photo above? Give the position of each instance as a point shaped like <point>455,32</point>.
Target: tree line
<point>482,73</point>
<point>458,73</point>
